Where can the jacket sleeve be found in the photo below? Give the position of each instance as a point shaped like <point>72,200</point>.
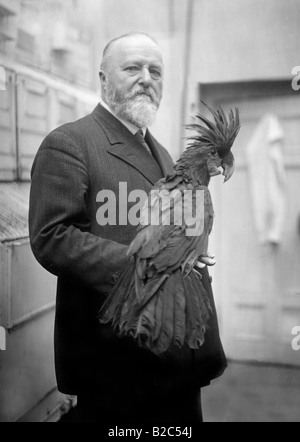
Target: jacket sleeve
<point>59,222</point>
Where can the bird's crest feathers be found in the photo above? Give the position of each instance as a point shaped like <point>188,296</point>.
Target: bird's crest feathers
<point>218,134</point>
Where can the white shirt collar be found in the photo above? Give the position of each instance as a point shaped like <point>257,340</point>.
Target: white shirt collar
<point>131,127</point>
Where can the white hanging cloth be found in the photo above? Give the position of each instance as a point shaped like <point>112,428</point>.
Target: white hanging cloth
<point>268,179</point>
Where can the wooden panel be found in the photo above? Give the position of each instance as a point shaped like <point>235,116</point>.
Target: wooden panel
<point>27,368</point>
<point>28,289</point>
<point>33,126</point>
<point>8,162</point>
<point>66,108</point>
<point>27,365</point>
<point>250,321</point>
<point>41,105</point>
<point>4,278</point>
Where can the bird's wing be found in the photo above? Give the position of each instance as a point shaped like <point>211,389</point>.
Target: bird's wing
<point>172,243</point>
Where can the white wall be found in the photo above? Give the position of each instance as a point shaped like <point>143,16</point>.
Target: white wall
<point>245,39</point>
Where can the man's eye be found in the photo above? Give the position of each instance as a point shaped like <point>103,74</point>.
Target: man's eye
<point>132,69</point>
<point>155,74</point>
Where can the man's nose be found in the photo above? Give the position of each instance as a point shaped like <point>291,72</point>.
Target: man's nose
<point>145,77</point>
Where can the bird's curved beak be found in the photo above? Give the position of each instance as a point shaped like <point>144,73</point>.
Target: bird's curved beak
<point>228,164</point>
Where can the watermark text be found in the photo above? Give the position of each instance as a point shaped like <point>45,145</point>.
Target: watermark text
<point>296,79</point>
<point>2,339</point>
<point>158,208</point>
<point>296,340</point>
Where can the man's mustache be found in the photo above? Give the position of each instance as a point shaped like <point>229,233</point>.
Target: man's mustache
<point>148,92</point>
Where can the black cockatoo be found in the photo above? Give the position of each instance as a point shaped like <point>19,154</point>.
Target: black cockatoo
<point>159,300</point>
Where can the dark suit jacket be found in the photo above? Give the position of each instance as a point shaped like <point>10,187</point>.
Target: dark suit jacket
<point>73,164</point>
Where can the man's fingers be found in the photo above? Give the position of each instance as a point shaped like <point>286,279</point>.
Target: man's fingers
<point>209,262</point>
<point>208,259</point>
<point>200,265</point>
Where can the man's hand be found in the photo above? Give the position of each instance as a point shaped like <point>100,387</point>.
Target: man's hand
<point>206,260</point>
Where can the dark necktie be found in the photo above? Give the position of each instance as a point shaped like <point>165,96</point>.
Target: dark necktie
<point>153,163</point>
<point>140,137</point>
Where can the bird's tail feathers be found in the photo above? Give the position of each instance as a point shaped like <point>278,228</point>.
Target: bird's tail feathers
<point>167,311</point>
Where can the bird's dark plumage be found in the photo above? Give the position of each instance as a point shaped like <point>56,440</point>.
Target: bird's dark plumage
<point>160,300</point>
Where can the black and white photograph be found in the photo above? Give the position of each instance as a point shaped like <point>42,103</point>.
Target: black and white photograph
<point>149,217</point>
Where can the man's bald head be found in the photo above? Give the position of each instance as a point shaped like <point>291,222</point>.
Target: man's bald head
<point>117,43</point>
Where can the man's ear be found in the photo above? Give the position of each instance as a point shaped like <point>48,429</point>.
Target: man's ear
<point>102,77</point>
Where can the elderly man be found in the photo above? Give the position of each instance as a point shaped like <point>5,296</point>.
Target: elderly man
<point>113,378</point>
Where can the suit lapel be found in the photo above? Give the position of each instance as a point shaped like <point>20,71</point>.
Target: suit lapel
<point>123,145</point>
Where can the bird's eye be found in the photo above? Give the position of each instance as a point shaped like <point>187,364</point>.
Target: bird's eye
<point>214,153</point>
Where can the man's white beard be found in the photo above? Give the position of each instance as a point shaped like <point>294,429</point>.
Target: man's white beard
<point>137,107</point>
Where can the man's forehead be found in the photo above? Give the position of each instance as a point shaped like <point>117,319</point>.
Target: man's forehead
<point>135,46</point>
